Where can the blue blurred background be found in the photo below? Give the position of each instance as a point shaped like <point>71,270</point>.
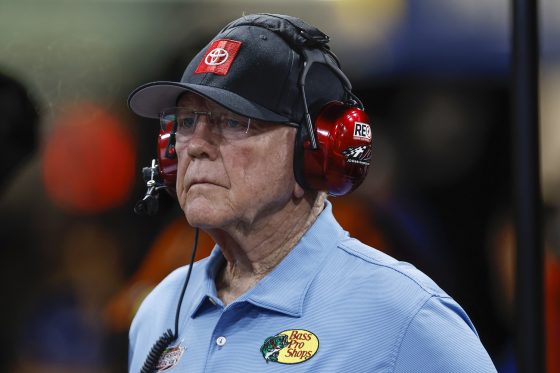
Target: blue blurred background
<point>434,76</point>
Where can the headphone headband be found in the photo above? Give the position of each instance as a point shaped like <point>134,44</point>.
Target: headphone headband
<point>293,30</point>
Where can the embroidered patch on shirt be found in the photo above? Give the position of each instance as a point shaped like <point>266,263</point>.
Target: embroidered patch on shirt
<point>291,346</point>
<point>170,358</point>
<point>219,57</point>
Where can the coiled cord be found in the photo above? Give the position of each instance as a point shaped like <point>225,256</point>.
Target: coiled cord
<point>157,350</point>
<point>168,337</point>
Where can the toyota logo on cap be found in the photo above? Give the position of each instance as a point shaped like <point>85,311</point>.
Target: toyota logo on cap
<point>217,56</point>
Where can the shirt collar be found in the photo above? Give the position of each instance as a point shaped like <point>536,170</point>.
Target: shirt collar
<point>207,289</point>
<point>285,287</point>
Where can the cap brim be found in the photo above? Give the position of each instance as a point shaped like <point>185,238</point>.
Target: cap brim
<point>150,99</point>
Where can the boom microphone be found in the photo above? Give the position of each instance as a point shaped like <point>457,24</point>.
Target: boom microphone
<point>149,204</point>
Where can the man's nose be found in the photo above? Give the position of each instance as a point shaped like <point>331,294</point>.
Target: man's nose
<point>203,140</point>
<point>203,123</point>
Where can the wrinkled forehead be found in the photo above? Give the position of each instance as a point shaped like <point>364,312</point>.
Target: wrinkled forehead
<point>190,99</point>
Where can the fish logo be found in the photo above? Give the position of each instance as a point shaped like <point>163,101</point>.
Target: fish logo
<point>272,346</point>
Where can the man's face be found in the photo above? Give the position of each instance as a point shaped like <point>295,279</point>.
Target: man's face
<point>233,182</point>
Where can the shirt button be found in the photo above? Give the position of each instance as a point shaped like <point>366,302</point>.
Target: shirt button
<point>220,341</point>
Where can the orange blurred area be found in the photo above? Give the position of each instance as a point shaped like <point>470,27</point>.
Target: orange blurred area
<point>88,160</point>
<point>356,217</point>
<point>170,250</point>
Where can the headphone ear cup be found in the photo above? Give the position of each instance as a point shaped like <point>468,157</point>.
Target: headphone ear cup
<point>344,140</point>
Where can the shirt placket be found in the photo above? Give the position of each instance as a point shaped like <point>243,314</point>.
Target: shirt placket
<point>226,340</point>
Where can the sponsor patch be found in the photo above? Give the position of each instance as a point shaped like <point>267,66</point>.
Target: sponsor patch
<point>170,358</point>
<point>358,154</point>
<point>291,346</point>
<point>219,57</point>
<point>362,131</point>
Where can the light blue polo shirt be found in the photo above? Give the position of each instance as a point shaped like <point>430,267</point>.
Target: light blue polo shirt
<point>332,304</point>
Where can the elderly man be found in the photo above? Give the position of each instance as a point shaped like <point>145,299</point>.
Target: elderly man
<point>286,288</point>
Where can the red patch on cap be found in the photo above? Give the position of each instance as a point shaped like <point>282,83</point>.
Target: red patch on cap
<point>219,57</point>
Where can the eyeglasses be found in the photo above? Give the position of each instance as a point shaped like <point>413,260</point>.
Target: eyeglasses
<point>182,121</point>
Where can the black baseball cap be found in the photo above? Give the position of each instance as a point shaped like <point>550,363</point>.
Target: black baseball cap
<point>252,68</point>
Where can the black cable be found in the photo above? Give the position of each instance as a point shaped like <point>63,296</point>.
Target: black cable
<point>186,283</point>
<point>168,337</point>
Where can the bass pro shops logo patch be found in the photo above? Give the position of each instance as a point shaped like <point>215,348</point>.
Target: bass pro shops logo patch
<point>358,154</point>
<point>291,346</point>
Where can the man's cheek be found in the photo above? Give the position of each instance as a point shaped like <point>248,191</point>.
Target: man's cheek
<point>180,182</point>
<point>182,165</point>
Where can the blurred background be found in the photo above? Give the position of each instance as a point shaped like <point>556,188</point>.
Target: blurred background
<point>433,75</point>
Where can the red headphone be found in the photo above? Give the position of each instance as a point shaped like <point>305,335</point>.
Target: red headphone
<point>333,149</point>
<point>339,162</point>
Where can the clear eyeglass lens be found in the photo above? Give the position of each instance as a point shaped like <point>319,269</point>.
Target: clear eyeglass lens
<point>183,121</point>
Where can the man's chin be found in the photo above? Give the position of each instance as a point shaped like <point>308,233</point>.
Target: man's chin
<point>202,215</point>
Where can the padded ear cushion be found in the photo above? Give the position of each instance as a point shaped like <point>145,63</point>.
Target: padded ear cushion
<point>301,138</point>
<point>342,159</point>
